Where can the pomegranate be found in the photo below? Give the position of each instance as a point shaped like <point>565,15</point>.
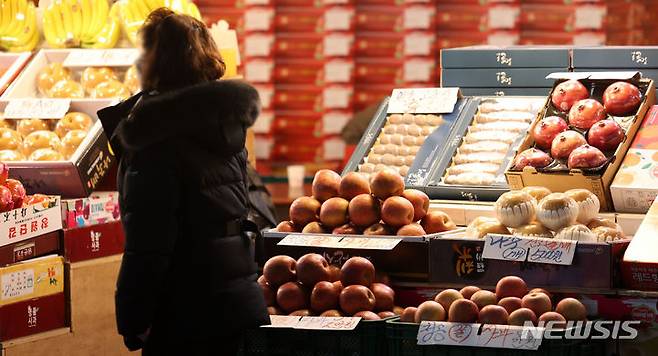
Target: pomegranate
<point>605,135</point>
<point>567,93</point>
<point>586,113</point>
<point>546,129</point>
<point>532,157</point>
<point>621,98</point>
<point>586,156</point>
<point>565,142</point>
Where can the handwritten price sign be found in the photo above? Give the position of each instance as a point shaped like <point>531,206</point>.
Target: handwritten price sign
<point>479,335</point>
<point>537,250</point>
<point>37,108</point>
<point>117,57</point>
<point>332,241</point>
<point>423,100</point>
<point>314,322</point>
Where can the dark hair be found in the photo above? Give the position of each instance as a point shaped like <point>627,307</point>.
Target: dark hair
<point>178,52</point>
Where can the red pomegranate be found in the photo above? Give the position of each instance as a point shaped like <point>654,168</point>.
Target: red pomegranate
<point>586,113</point>
<point>568,93</point>
<point>546,129</point>
<point>621,98</point>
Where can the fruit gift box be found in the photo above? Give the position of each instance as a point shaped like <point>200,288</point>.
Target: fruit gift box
<point>480,148</point>
<point>582,133</point>
<point>78,74</point>
<point>67,156</point>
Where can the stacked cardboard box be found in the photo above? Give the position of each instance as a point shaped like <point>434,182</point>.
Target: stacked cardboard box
<point>561,22</point>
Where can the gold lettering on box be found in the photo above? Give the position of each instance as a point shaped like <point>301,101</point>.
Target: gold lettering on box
<point>504,59</point>
<point>637,57</point>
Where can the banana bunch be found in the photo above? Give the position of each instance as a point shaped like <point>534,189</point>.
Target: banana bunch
<point>80,23</point>
<point>133,13</point>
<point>18,25</point>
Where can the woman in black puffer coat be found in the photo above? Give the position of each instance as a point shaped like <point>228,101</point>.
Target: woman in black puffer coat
<point>187,284</point>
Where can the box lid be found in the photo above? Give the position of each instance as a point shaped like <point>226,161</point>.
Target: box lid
<point>623,75</point>
<point>423,100</point>
<point>505,57</point>
<point>616,57</point>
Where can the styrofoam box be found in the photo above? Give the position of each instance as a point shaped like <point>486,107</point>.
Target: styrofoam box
<point>25,85</point>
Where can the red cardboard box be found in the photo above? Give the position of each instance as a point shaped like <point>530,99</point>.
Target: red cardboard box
<point>86,243</point>
<point>297,124</point>
<point>567,18</point>
<point>299,3</point>
<point>380,18</point>
<point>32,316</point>
<point>258,45</point>
<point>339,71</point>
<point>298,97</point>
<point>43,245</point>
<point>298,150</point>
<point>98,208</point>
<point>259,70</point>
<point>299,19</point>
<point>464,17</point>
<point>640,264</point>
<point>586,38</point>
<point>259,19</point>
<point>309,72</point>
<point>626,38</point>
<point>379,71</point>
<point>626,16</point>
<point>299,45</point>
<point>367,95</point>
<point>466,38</point>
<point>380,44</point>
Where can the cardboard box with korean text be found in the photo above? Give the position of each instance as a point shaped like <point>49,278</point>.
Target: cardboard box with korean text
<point>640,264</point>
<point>31,279</point>
<point>95,241</point>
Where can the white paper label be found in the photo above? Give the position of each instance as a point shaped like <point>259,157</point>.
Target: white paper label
<point>334,149</point>
<point>257,45</point>
<point>336,97</point>
<point>338,72</point>
<point>336,241</point>
<point>328,241</point>
<point>37,108</point>
<point>536,250</point>
<point>418,70</point>
<point>328,323</point>
<point>589,17</point>
<point>333,122</point>
<point>259,71</point>
<point>17,284</point>
<point>257,19</point>
<point>418,44</point>
<point>337,45</point>
<point>418,18</point>
<point>97,209</point>
<point>24,223</point>
<point>589,39</point>
<point>479,335</point>
<point>283,321</point>
<point>423,100</point>
<point>117,57</point>
<point>502,17</point>
<point>338,19</point>
<point>369,243</point>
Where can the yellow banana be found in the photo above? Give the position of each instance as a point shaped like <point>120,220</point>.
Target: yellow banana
<point>193,10</point>
<point>29,45</point>
<point>154,4</point>
<point>76,12</point>
<point>115,11</point>
<point>58,25</point>
<point>49,30</point>
<point>142,10</point>
<point>28,40</point>
<point>132,22</point>
<point>5,15</point>
<point>87,15</point>
<point>14,24</point>
<point>67,19</point>
<point>94,18</point>
<point>107,37</point>
<point>177,6</point>
<point>29,25</point>
<point>100,18</point>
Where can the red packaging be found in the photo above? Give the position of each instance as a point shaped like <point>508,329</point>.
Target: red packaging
<point>32,316</point>
<point>298,97</point>
<point>298,3</point>
<point>298,149</point>
<point>367,95</point>
<point>594,38</point>
<point>234,16</point>
<point>338,44</point>
<point>86,243</point>
<point>339,19</point>
<point>420,70</point>
<point>626,38</point>
<point>338,97</point>
<point>299,72</point>
<point>462,39</point>
<point>299,45</point>
<point>257,44</point>
<point>204,4</point>
<point>568,18</point>
<point>626,15</point>
<point>378,44</point>
<point>379,71</point>
<point>297,124</point>
<point>297,19</point>
<point>259,19</point>
<point>258,70</point>
<point>380,18</point>
<point>43,245</point>
<point>462,17</point>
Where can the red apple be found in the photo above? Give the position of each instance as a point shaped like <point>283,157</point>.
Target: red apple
<point>557,318</point>
<point>338,285</point>
<point>347,229</point>
<point>419,200</point>
<point>333,212</point>
<point>605,135</point>
<point>386,314</point>
<point>437,221</point>
<point>334,273</point>
<point>384,296</point>
<point>468,291</point>
<point>304,210</point>
<point>483,298</point>
<point>353,184</point>
<point>312,268</point>
<point>540,290</point>
<point>572,309</point>
<point>364,210</point>
<point>565,142</point>
<point>447,297</point>
<point>463,311</point>
<point>568,93</point>
<point>532,157</point>
<point>520,316</point>
<point>356,298</point>
<point>17,190</point>
<point>291,296</point>
<point>586,156</point>
<point>546,129</point>
<point>286,226</point>
<point>398,310</point>
<point>4,173</point>
<point>586,113</point>
<point>408,315</point>
<point>431,311</point>
<point>357,270</point>
<point>324,296</point>
<point>397,211</point>
<point>621,98</point>
<point>539,303</point>
<point>332,313</point>
<point>6,200</point>
<point>511,286</point>
<point>493,314</point>
<point>367,315</point>
<point>510,303</point>
<point>268,293</point>
<point>325,184</point>
<point>279,270</point>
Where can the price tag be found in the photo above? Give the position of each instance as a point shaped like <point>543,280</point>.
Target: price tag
<point>537,250</point>
<point>328,323</point>
<point>17,284</point>
<point>283,321</point>
<point>328,241</point>
<point>479,335</point>
<point>118,57</point>
<point>366,243</point>
<point>37,108</point>
<point>423,100</point>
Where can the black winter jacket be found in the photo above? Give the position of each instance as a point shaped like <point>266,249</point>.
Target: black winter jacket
<point>182,182</point>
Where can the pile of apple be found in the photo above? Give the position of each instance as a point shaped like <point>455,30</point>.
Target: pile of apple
<point>589,130</point>
<point>352,205</point>
<point>12,192</point>
<point>311,286</point>
<point>510,304</point>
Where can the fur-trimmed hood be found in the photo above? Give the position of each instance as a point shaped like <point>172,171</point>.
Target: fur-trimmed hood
<point>214,115</point>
